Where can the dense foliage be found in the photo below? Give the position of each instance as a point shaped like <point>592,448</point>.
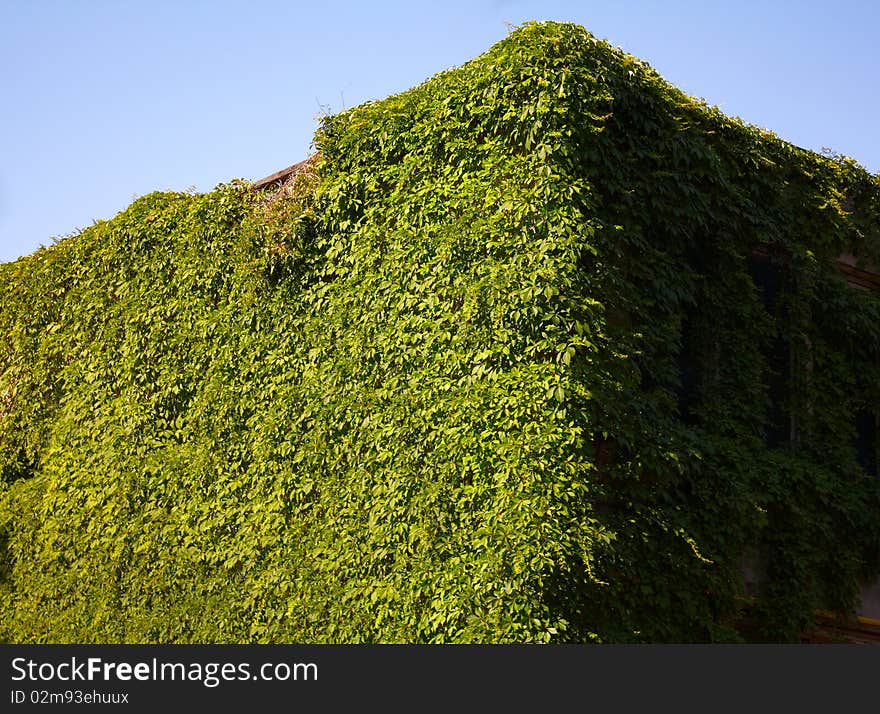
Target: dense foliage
<point>493,369</point>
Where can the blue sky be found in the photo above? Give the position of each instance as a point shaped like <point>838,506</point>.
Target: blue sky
<point>107,100</point>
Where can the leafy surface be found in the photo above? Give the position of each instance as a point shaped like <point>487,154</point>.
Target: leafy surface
<point>493,370</point>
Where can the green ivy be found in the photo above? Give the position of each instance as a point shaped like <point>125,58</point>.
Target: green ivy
<point>432,392</point>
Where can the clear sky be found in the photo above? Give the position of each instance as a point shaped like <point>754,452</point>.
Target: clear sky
<point>107,100</point>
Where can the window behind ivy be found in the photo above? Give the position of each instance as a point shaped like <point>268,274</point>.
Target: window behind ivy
<point>866,440</point>
<point>769,279</point>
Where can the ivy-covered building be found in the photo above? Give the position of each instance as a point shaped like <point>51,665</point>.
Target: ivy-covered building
<point>541,350</point>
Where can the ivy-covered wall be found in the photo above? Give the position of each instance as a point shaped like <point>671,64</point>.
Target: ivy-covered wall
<point>539,350</point>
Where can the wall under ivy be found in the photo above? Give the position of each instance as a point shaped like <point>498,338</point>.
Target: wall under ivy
<point>501,366</point>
